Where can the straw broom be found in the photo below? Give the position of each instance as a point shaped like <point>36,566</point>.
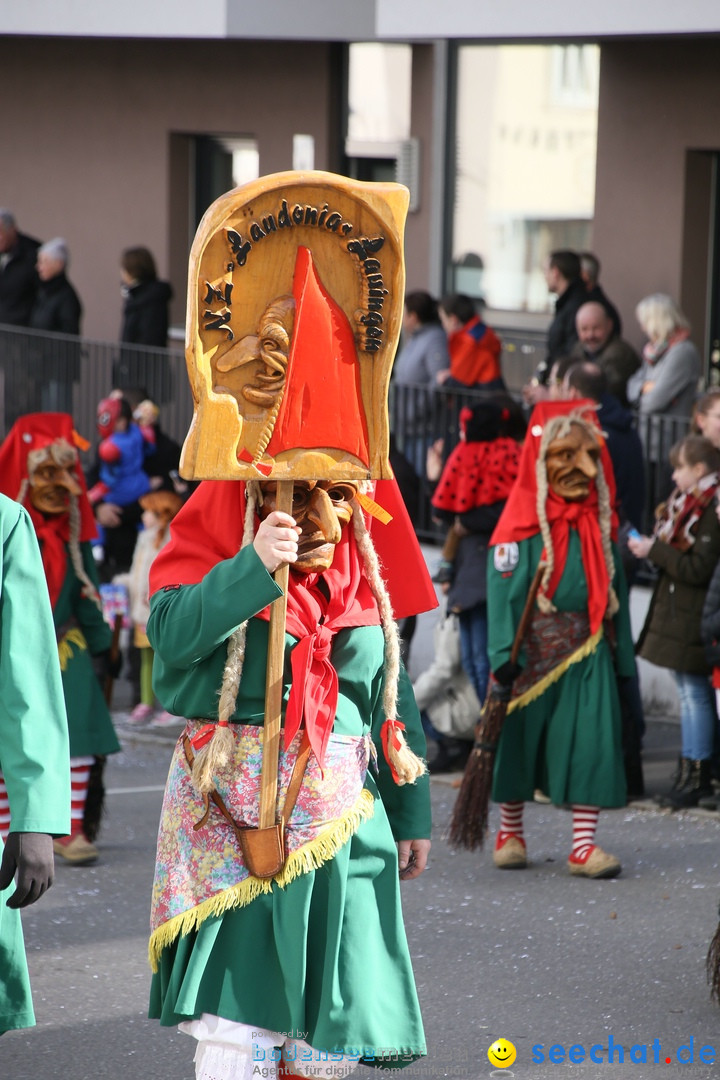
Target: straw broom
<point>470,814</point>
<point>712,966</point>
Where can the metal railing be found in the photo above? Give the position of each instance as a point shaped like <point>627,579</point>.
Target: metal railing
<point>57,372</point>
<point>42,372</point>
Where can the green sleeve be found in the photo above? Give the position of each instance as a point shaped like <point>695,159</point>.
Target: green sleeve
<point>189,626</point>
<point>92,622</point>
<point>33,724</point>
<point>407,805</point>
<point>188,623</point>
<point>507,590</point>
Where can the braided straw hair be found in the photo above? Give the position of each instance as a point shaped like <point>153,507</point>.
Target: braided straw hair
<point>216,753</point>
<point>407,766</point>
<point>556,428</point>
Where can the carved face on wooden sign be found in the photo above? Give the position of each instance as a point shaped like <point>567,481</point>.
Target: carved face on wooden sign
<point>295,302</point>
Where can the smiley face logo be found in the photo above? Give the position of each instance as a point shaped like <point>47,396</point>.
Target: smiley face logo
<point>502,1053</point>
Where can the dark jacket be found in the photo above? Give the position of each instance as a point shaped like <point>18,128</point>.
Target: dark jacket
<point>57,308</point>
<point>710,622</point>
<point>671,636</point>
<point>469,583</point>
<point>627,456</point>
<point>562,334</point>
<point>145,314</point>
<point>19,282</point>
<point>617,359</point>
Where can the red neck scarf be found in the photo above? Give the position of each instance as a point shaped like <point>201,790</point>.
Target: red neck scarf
<point>318,605</point>
<point>209,529</point>
<point>53,534</point>
<point>676,520</point>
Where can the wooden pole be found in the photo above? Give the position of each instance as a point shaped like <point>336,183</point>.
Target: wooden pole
<point>274,679</point>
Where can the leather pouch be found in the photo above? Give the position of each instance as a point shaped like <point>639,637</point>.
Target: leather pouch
<point>263,849</point>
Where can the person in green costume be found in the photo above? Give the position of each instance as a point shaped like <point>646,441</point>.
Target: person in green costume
<point>562,732</point>
<point>40,468</point>
<point>306,973</point>
<point>33,750</point>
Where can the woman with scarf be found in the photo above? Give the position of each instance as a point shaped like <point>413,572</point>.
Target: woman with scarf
<point>562,731</point>
<point>685,546</point>
<point>310,965</point>
<point>667,382</point>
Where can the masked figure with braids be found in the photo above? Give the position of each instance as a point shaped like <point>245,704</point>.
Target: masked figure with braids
<point>39,468</point>
<point>562,732</point>
<point>312,964</point>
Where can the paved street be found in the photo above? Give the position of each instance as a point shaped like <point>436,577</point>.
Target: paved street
<point>532,956</point>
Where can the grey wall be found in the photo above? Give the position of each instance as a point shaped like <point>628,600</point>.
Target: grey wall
<point>85,131</point>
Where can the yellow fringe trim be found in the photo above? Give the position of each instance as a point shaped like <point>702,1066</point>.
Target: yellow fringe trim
<point>310,856</point>
<point>65,652</point>
<point>539,688</point>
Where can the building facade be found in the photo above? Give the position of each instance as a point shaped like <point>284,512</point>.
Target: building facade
<point>121,123</point>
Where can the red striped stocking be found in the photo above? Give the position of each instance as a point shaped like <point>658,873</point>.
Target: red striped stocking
<point>585,819</point>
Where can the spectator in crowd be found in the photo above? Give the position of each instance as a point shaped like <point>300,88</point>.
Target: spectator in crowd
<point>667,382</point>
<point>588,380</point>
<point>665,387</point>
<point>473,346</point>
<point>562,274</point>
<point>590,273</point>
<point>476,480</point>
<point>424,354</point>
<point>57,310</point>
<point>706,416</point>
<point>116,481</point>
<point>18,276</point>
<point>598,341</point>
<point>145,321</point>
<point>159,508</point>
<point>161,466</point>
<point>563,279</point>
<point>685,546</point>
<point>146,299</point>
<point>710,632</point>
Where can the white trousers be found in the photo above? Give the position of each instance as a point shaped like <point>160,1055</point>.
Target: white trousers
<point>230,1051</point>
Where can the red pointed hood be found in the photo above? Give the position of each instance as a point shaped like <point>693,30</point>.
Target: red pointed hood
<point>322,404</point>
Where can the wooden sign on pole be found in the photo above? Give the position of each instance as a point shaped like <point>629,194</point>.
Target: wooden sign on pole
<point>295,301</point>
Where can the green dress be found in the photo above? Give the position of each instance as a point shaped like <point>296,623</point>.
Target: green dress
<point>327,955</point>
<point>33,731</point>
<point>567,741</point>
<point>83,633</point>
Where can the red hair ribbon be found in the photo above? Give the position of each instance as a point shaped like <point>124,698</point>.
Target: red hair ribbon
<point>391,739</point>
